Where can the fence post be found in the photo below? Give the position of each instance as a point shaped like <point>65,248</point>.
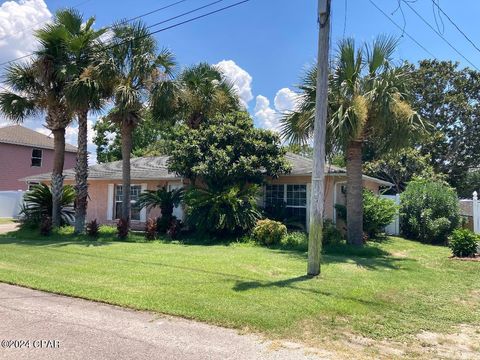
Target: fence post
<point>475,213</point>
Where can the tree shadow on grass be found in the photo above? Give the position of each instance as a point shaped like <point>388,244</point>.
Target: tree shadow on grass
<point>11,238</point>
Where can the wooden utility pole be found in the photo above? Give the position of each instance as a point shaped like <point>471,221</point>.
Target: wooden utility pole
<point>318,171</point>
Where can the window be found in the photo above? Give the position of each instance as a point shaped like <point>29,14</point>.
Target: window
<point>274,194</point>
<point>36,157</point>
<point>135,191</point>
<point>31,185</point>
<point>294,197</point>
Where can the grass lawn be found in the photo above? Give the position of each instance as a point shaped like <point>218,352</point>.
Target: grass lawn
<point>389,290</point>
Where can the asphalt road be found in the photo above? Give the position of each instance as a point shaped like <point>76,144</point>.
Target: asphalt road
<point>38,325</point>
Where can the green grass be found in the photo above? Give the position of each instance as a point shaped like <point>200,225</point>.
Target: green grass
<point>384,290</point>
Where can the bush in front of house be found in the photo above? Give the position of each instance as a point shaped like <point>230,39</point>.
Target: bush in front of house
<point>331,235</point>
<point>46,226</point>
<point>37,204</point>
<point>429,211</point>
<point>269,232</point>
<point>463,243</point>
<point>150,229</point>
<point>378,212</point>
<point>232,210</point>
<point>122,229</point>
<point>93,228</point>
<point>295,240</point>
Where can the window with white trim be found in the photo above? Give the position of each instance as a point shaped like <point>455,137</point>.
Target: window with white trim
<point>36,157</point>
<point>135,191</point>
<point>293,196</point>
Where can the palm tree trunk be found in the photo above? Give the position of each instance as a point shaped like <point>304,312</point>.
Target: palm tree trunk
<point>81,173</point>
<point>354,193</point>
<point>127,131</point>
<point>57,174</point>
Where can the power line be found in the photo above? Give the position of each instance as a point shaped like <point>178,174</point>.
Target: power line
<point>402,29</point>
<point>435,3</point>
<point>440,35</point>
<point>149,26</point>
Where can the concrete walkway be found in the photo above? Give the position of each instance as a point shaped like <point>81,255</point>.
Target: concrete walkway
<point>59,327</point>
<point>5,228</point>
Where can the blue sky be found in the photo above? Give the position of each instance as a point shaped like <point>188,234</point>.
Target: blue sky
<point>264,44</point>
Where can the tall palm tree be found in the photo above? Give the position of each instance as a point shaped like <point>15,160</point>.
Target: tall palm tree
<point>369,98</point>
<point>199,92</point>
<point>85,92</point>
<point>38,87</point>
<point>135,68</point>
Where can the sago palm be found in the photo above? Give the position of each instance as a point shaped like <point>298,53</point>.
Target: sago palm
<point>162,198</point>
<point>135,68</point>
<point>369,98</point>
<point>38,87</point>
<point>85,92</point>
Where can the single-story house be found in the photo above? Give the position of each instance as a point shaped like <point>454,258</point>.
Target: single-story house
<point>150,173</point>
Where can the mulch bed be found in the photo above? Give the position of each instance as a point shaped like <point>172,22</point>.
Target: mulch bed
<point>476,257</point>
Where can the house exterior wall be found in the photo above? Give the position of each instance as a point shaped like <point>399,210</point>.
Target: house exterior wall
<point>99,202</point>
<point>16,160</point>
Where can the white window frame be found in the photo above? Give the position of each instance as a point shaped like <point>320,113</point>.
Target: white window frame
<point>36,157</point>
<point>307,202</point>
<point>132,202</point>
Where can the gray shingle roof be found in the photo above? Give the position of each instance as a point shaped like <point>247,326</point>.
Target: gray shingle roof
<point>142,168</point>
<point>155,168</point>
<point>20,135</point>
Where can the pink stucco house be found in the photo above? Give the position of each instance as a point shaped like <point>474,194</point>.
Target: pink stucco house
<point>25,152</point>
<point>149,173</point>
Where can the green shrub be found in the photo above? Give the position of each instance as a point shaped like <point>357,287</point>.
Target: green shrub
<point>269,232</point>
<point>229,211</point>
<point>463,243</point>
<point>429,211</point>
<point>377,213</point>
<point>297,240</point>
<point>93,228</point>
<point>38,205</point>
<point>331,235</point>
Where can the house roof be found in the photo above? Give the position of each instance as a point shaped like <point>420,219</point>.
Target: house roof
<point>20,135</point>
<point>155,168</point>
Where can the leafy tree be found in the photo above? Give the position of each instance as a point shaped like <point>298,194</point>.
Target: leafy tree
<point>449,98</point>
<point>401,167</point>
<point>38,87</point>
<point>135,69</point>
<point>85,92</point>
<point>369,97</point>
<point>226,150</point>
<point>145,139</point>
<point>305,150</point>
<point>470,183</point>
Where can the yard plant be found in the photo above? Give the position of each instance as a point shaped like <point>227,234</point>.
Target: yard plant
<point>463,243</point>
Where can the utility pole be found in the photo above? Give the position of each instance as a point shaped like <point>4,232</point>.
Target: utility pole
<point>318,171</point>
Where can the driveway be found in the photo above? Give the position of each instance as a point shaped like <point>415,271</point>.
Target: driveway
<point>49,326</point>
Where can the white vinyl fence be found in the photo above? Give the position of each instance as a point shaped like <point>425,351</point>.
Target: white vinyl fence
<point>394,227</point>
<point>10,203</point>
<point>476,213</point>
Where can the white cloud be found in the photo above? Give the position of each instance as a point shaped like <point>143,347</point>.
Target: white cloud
<point>285,100</point>
<point>268,117</point>
<point>242,81</point>
<point>18,21</point>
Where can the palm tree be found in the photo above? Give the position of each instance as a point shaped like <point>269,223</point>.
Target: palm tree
<point>369,98</point>
<point>162,198</point>
<point>85,92</point>
<point>134,68</point>
<point>199,92</point>
<point>38,86</point>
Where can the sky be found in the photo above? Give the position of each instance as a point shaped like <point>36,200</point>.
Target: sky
<point>264,46</point>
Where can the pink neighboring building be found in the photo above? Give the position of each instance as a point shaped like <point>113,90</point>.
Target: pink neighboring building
<point>25,152</point>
